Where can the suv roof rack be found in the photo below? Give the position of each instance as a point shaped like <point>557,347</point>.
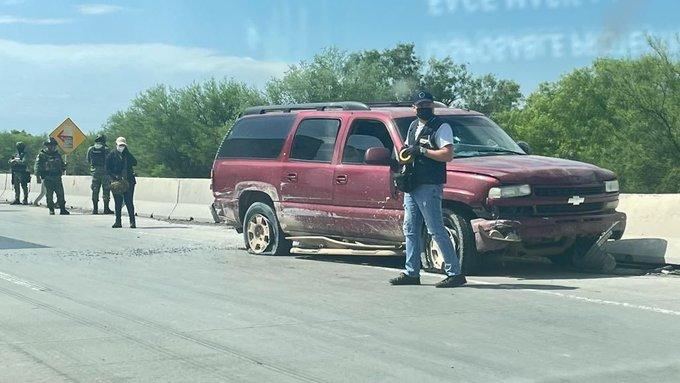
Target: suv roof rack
<point>388,104</point>
<point>344,105</point>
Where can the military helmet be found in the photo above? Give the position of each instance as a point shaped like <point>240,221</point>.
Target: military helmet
<point>50,142</point>
<point>101,138</point>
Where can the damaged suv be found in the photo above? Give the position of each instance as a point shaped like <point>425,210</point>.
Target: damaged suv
<point>316,179</point>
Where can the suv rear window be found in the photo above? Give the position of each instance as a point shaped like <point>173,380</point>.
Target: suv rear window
<point>257,137</point>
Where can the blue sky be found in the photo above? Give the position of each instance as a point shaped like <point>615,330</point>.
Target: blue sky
<point>87,60</point>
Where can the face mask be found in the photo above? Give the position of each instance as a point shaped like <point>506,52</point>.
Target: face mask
<point>120,148</point>
<point>425,113</point>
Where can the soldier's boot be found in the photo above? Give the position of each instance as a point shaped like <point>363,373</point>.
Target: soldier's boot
<point>107,210</point>
<point>117,224</point>
<point>95,207</point>
<point>51,210</point>
<point>63,211</point>
<point>16,198</point>
<point>25,201</point>
<point>133,222</point>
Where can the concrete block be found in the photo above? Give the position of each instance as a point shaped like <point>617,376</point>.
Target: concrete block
<point>194,200</point>
<point>4,180</point>
<point>77,191</point>
<point>653,229</point>
<point>156,197</point>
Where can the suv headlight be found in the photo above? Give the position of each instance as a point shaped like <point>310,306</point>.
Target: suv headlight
<point>611,186</point>
<point>510,191</point>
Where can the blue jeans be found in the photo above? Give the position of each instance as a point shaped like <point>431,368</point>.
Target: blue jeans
<point>424,205</point>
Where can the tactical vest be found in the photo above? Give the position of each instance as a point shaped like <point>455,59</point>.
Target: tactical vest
<point>20,168</point>
<point>98,156</point>
<point>53,164</point>
<point>427,171</point>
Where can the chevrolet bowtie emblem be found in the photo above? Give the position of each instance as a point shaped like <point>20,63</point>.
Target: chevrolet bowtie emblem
<point>576,200</point>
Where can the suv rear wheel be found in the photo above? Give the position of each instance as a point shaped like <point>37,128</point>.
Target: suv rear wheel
<point>463,240</point>
<point>262,233</point>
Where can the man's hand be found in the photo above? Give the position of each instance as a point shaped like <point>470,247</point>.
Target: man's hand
<point>414,150</point>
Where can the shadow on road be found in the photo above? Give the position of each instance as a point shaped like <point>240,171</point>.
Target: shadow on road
<point>525,268</point>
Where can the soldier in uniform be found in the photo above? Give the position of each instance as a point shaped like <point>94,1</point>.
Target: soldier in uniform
<point>96,157</point>
<point>50,166</point>
<point>20,175</point>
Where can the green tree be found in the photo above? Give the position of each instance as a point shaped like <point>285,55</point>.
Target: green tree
<point>176,132</point>
<point>622,114</point>
<point>391,74</point>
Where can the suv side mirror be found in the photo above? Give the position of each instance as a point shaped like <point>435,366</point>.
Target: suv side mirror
<point>524,146</point>
<point>377,156</point>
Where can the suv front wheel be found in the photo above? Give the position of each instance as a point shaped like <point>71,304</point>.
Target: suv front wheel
<point>463,240</point>
<point>262,233</point>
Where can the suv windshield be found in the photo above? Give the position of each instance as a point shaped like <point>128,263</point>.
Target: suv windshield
<point>473,136</point>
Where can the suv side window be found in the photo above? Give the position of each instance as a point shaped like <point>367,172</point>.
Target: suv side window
<point>363,135</point>
<point>256,137</point>
<point>315,140</point>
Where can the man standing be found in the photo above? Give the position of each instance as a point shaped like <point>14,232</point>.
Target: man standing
<point>430,143</point>
<point>49,166</point>
<point>20,175</point>
<point>96,157</point>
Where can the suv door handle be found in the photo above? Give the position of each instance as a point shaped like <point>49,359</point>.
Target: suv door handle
<point>341,180</point>
<point>292,177</point>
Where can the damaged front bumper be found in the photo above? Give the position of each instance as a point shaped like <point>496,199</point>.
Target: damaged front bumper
<point>492,235</point>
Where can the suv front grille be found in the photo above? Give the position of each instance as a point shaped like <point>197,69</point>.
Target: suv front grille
<point>547,210</point>
<point>569,209</point>
<point>567,191</point>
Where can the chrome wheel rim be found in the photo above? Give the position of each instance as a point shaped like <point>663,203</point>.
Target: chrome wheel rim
<point>259,233</point>
<point>433,258</point>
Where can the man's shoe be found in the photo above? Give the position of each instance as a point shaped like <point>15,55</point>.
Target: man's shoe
<point>133,223</point>
<point>404,279</point>
<point>15,202</point>
<point>452,281</point>
<point>64,212</point>
<point>117,225</point>
<point>107,210</point>
<point>51,211</point>
<point>25,202</point>
<point>95,211</point>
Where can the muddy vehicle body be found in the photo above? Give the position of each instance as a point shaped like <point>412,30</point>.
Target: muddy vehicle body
<point>316,179</point>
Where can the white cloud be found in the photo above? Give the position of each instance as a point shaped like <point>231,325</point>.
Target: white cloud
<point>159,58</point>
<point>98,9</point>
<point>9,19</point>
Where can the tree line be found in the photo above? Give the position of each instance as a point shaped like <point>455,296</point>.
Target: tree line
<point>621,114</point>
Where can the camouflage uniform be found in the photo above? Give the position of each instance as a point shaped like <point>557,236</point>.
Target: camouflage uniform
<point>20,175</point>
<point>96,157</point>
<point>50,166</point>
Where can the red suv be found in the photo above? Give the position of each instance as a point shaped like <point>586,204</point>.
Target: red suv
<point>317,179</point>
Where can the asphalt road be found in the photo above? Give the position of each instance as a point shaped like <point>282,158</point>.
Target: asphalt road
<point>81,302</point>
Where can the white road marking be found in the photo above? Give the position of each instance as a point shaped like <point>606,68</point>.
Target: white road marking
<point>21,282</point>
<point>597,301</point>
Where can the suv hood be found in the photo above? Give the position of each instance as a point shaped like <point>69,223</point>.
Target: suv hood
<point>535,170</point>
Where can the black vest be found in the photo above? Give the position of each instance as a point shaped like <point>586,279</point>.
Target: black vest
<point>98,156</point>
<point>427,171</point>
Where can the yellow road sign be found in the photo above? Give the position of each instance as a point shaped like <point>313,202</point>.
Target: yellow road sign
<point>68,136</point>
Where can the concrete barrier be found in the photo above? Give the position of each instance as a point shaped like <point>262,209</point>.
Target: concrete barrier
<point>194,200</point>
<point>77,191</point>
<point>156,197</point>
<point>4,181</point>
<point>653,229</point>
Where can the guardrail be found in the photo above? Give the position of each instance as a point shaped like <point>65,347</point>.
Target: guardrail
<point>652,233</point>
